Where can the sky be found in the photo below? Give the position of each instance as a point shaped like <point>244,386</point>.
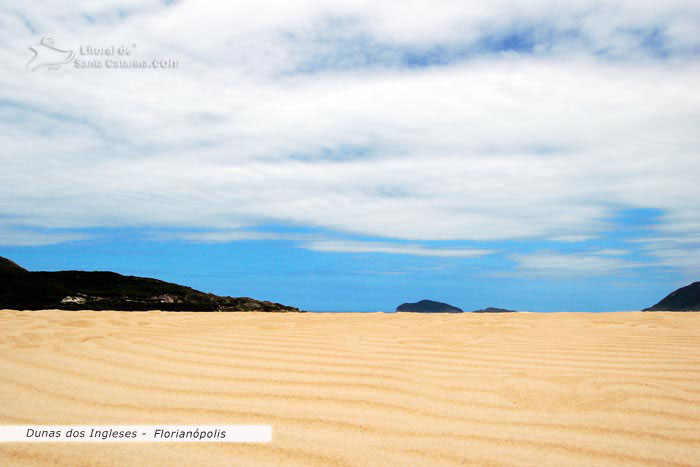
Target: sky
<point>354,155</point>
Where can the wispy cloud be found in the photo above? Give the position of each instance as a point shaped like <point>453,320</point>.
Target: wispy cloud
<point>346,246</point>
<point>486,121</point>
<point>553,264</point>
<point>240,235</point>
<point>612,252</point>
<point>573,238</point>
<point>23,237</point>
<point>680,252</point>
<point>318,242</point>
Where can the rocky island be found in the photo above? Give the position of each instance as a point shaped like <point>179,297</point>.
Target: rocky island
<point>83,290</point>
<point>494,310</point>
<point>428,306</point>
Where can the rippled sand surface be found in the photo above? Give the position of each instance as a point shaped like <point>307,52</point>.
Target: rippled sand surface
<point>360,389</point>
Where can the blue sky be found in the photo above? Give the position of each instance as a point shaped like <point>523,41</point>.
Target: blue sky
<point>355,155</point>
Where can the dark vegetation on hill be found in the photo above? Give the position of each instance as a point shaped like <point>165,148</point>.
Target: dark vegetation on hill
<point>684,299</point>
<point>83,290</point>
<point>10,266</point>
<point>428,306</point>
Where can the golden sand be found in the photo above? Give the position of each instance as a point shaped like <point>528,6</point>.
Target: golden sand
<point>360,389</point>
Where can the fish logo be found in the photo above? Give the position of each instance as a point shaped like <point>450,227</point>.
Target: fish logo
<point>46,55</point>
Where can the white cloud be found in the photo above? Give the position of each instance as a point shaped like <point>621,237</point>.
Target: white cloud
<point>680,252</point>
<point>495,147</point>
<point>612,252</point>
<point>18,237</point>
<point>318,242</point>
<point>347,246</point>
<point>237,235</point>
<point>552,264</point>
<point>572,238</point>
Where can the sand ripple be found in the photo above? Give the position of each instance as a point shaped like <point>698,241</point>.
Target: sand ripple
<point>360,389</point>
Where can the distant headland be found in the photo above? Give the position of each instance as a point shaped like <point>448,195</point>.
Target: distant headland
<point>684,299</point>
<point>82,290</point>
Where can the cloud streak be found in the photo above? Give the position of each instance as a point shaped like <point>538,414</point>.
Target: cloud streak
<point>551,264</point>
<point>317,242</point>
<point>18,237</point>
<point>346,246</point>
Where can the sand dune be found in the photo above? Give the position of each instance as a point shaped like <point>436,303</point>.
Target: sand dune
<point>360,389</point>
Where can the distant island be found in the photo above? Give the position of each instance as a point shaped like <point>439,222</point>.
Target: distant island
<point>428,306</point>
<point>82,290</point>
<point>494,310</point>
<point>684,299</point>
